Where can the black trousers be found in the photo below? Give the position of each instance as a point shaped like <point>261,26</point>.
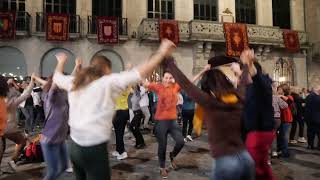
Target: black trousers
<point>187,117</point>
<point>90,163</point>
<point>119,123</point>
<point>163,128</point>
<point>296,121</point>
<point>135,127</point>
<point>313,130</point>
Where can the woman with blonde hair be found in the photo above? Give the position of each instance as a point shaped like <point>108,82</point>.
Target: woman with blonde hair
<point>92,93</point>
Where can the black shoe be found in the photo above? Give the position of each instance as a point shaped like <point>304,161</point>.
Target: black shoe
<point>140,146</point>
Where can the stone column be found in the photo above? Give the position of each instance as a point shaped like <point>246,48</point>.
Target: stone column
<point>32,7</point>
<point>135,11</point>
<point>84,9</point>
<point>224,4</point>
<point>264,12</point>
<point>199,60</point>
<point>297,15</point>
<point>183,10</point>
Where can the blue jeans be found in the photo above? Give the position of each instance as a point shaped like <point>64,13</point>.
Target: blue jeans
<point>284,138</point>
<point>56,158</point>
<point>238,166</point>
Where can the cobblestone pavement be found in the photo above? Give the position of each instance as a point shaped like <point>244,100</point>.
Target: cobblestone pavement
<point>194,162</point>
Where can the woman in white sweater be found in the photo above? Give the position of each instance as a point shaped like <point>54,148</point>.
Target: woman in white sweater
<point>92,93</point>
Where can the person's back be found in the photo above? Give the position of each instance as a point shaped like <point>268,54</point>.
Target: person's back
<point>56,110</point>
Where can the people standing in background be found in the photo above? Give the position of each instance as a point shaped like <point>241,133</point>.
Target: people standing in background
<point>12,131</point>
<point>312,116</point>
<point>286,120</point>
<point>4,89</point>
<point>136,121</point>
<point>188,109</point>
<point>297,120</point>
<point>278,104</point>
<point>37,102</point>
<point>144,105</point>
<point>28,111</point>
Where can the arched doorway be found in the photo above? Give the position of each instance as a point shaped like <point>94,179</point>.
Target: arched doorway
<point>49,62</point>
<point>116,60</point>
<point>12,63</point>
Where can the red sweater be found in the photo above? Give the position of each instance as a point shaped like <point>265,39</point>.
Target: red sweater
<point>286,115</point>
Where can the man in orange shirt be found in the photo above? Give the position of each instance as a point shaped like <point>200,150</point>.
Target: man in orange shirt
<point>166,116</point>
<point>3,112</point>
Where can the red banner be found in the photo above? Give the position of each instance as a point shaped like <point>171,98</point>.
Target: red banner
<point>236,38</point>
<point>169,29</point>
<point>108,30</point>
<point>291,40</point>
<point>57,27</point>
<point>7,25</point>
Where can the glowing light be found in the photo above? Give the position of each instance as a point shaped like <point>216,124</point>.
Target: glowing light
<point>282,79</point>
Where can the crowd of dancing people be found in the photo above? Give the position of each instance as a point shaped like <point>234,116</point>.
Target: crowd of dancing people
<point>249,121</point>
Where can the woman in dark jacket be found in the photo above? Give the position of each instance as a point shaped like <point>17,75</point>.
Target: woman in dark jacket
<point>222,105</point>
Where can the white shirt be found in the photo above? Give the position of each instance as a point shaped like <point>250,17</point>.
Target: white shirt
<point>144,101</point>
<point>36,96</point>
<point>180,99</point>
<point>92,107</point>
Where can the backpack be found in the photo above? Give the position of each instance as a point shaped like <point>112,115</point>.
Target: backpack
<point>33,151</point>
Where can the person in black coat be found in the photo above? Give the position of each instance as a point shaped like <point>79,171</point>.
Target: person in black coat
<point>312,116</point>
<point>297,119</point>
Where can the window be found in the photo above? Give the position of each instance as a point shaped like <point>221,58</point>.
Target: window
<point>246,11</point>
<point>205,10</point>
<point>284,72</point>
<point>163,9</point>
<point>60,6</point>
<point>107,8</point>
<point>13,5</point>
<point>281,13</point>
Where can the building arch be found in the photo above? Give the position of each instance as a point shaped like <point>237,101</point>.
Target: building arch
<point>12,62</point>
<point>49,62</point>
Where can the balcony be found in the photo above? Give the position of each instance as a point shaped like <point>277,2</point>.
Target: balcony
<point>209,31</point>
<point>92,28</point>
<point>74,25</point>
<point>23,24</point>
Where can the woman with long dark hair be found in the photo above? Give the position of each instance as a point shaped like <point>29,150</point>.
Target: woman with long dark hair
<point>222,105</point>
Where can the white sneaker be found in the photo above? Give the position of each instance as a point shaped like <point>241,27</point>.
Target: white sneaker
<point>274,154</point>
<point>69,170</point>
<point>12,165</point>
<point>122,156</point>
<point>293,142</point>
<point>189,138</point>
<point>302,140</point>
<point>185,140</point>
<point>115,154</point>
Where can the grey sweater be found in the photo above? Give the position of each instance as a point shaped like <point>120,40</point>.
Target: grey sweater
<point>278,104</point>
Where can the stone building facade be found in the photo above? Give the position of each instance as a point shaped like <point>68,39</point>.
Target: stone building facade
<point>200,39</point>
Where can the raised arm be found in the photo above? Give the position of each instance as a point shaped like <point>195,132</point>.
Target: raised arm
<point>282,104</point>
<point>199,75</point>
<point>193,91</point>
<point>61,80</point>
<point>166,48</point>
<point>26,93</point>
<point>77,67</point>
<point>39,80</point>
